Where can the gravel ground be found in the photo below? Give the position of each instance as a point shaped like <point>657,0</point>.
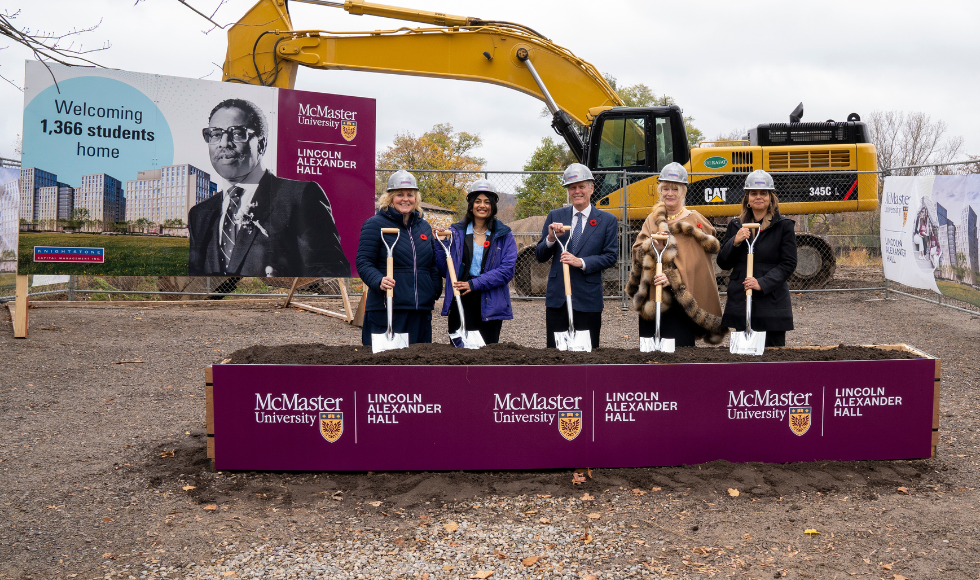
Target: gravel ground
<point>103,472</point>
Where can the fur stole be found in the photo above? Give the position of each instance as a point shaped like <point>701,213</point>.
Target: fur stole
<point>641,288</point>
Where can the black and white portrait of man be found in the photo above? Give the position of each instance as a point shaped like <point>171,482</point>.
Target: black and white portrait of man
<point>258,224</point>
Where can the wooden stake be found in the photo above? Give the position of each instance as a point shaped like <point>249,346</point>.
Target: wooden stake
<point>342,282</point>
<point>20,310</point>
<point>289,297</point>
<point>359,316</point>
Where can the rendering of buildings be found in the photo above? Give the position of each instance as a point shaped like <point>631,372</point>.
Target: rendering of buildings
<point>9,225</point>
<point>167,193</point>
<point>102,195</point>
<point>55,202</point>
<point>32,180</point>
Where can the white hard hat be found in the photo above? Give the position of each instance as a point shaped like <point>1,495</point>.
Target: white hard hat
<point>482,186</point>
<point>759,179</point>
<point>402,179</point>
<point>576,172</point>
<point>674,172</point>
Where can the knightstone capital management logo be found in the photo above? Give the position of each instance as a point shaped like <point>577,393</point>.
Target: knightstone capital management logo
<point>509,408</point>
<point>772,406</point>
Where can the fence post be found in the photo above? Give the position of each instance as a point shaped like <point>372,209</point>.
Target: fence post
<point>624,244</point>
<point>886,288</point>
<point>207,285</point>
<point>71,288</point>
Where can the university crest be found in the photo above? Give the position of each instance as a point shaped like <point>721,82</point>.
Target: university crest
<point>799,419</point>
<point>569,424</point>
<point>331,426</point>
<point>348,129</point>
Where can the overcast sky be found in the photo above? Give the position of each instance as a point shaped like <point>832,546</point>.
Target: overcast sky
<point>730,65</point>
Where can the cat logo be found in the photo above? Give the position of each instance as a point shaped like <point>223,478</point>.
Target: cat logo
<point>715,194</point>
<point>348,129</point>
<point>331,426</point>
<point>799,419</point>
<point>569,424</point>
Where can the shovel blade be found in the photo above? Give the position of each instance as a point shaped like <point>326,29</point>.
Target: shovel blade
<point>580,341</point>
<point>472,339</point>
<point>384,341</point>
<point>752,343</point>
<point>651,344</point>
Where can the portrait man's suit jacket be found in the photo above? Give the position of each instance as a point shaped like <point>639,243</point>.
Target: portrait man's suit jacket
<point>291,232</point>
<point>600,248</point>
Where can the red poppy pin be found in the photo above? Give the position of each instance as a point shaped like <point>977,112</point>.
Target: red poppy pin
<point>423,237</point>
<point>699,227</point>
<point>486,244</point>
<point>592,223</point>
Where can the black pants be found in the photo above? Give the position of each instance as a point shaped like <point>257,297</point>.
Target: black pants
<point>489,329</point>
<point>556,320</point>
<point>674,323</point>
<point>775,338</point>
<point>417,324</point>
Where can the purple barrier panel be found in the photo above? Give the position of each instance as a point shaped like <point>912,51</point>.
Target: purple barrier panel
<point>360,418</point>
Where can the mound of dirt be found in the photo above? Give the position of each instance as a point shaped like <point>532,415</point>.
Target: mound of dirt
<point>512,354</point>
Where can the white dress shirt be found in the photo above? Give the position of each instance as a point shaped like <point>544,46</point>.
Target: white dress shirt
<point>585,218</point>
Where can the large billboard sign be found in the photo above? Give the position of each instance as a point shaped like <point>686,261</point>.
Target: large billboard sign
<point>930,235</point>
<point>364,418</point>
<point>175,176</point>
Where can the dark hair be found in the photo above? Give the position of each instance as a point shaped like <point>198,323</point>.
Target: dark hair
<point>254,119</point>
<point>469,207</point>
<point>747,215</point>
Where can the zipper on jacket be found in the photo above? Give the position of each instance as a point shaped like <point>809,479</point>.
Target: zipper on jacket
<point>415,267</point>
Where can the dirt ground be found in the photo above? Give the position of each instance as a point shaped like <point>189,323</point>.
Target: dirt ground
<point>103,470</point>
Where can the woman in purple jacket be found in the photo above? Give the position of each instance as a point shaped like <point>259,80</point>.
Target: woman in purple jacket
<point>484,254</point>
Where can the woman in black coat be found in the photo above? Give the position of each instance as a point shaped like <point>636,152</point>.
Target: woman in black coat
<point>775,261</point>
<point>416,282</point>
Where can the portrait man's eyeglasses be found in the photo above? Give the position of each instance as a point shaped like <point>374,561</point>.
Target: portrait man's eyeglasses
<point>237,133</point>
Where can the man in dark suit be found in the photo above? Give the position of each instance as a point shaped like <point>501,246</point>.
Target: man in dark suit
<point>259,224</point>
<point>593,246</point>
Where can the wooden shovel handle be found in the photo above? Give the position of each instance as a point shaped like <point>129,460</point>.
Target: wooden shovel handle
<point>445,234</point>
<point>660,269</point>
<point>389,230</point>
<point>452,274</point>
<point>391,274</point>
<point>660,237</point>
<point>568,279</point>
<point>751,226</point>
<point>748,271</point>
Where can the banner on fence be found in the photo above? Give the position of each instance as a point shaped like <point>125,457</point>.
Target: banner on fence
<point>9,200</point>
<point>929,234</point>
<point>534,417</point>
<point>255,181</point>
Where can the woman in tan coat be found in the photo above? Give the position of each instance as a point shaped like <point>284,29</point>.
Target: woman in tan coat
<point>691,308</point>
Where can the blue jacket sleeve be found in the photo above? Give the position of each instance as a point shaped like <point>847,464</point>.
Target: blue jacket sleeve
<point>778,276</point>
<point>502,274</point>
<point>610,246</point>
<point>729,255</point>
<point>441,256</point>
<point>368,250</point>
<point>542,252</point>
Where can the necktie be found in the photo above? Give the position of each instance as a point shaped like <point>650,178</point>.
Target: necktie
<point>579,228</point>
<point>229,229</point>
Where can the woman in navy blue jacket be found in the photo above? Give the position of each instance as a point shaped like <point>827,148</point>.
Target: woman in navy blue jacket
<point>416,280</point>
<point>484,254</point>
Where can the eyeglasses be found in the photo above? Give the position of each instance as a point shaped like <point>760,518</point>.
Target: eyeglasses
<point>237,133</point>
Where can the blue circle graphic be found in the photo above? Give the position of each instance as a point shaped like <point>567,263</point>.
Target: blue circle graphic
<point>95,125</point>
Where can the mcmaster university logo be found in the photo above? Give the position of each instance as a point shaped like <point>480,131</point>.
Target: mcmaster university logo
<point>348,130</point>
<point>569,424</point>
<point>331,425</point>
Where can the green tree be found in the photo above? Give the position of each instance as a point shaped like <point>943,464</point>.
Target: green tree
<point>540,193</point>
<point>440,148</point>
<point>143,224</point>
<point>175,223</point>
<point>640,95</point>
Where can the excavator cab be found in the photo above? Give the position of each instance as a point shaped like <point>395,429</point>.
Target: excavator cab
<point>634,140</point>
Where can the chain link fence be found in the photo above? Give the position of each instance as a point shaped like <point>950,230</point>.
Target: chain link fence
<point>836,251</point>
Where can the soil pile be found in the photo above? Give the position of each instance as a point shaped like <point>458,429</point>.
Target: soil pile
<point>512,354</point>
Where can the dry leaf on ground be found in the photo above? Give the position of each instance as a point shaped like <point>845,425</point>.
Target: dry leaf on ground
<point>732,492</point>
<point>577,478</point>
<point>545,521</point>
<point>904,490</point>
<point>886,566</point>
<point>375,503</point>
<point>593,516</point>
<point>482,574</point>
<point>811,532</point>
<point>211,507</point>
<point>188,487</point>
<point>451,527</point>
<point>586,538</point>
<point>655,488</point>
<point>500,554</point>
<point>530,561</point>
<point>544,495</point>
<point>447,567</point>
<point>899,577</point>
<point>638,491</point>
<point>587,497</point>
<point>337,496</point>
<point>167,454</point>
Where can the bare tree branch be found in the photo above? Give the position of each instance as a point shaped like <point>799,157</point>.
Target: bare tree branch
<point>905,139</point>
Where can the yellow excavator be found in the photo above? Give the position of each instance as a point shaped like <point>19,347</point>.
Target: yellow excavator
<point>836,159</point>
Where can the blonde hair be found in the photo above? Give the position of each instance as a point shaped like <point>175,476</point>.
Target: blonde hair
<point>683,187</point>
<point>387,199</point>
<point>748,216</point>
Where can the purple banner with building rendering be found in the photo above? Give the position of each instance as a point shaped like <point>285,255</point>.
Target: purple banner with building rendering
<point>532,417</point>
<point>187,177</point>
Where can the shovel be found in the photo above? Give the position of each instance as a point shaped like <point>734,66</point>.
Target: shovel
<point>748,342</point>
<point>571,339</point>
<point>389,340</point>
<point>648,344</point>
<point>462,338</point>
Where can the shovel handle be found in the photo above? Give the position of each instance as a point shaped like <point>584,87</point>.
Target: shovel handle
<point>445,234</point>
<point>660,270</point>
<point>748,271</point>
<point>452,274</point>
<point>568,279</point>
<point>751,226</point>
<point>660,237</point>
<point>389,230</point>
<point>391,274</point>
